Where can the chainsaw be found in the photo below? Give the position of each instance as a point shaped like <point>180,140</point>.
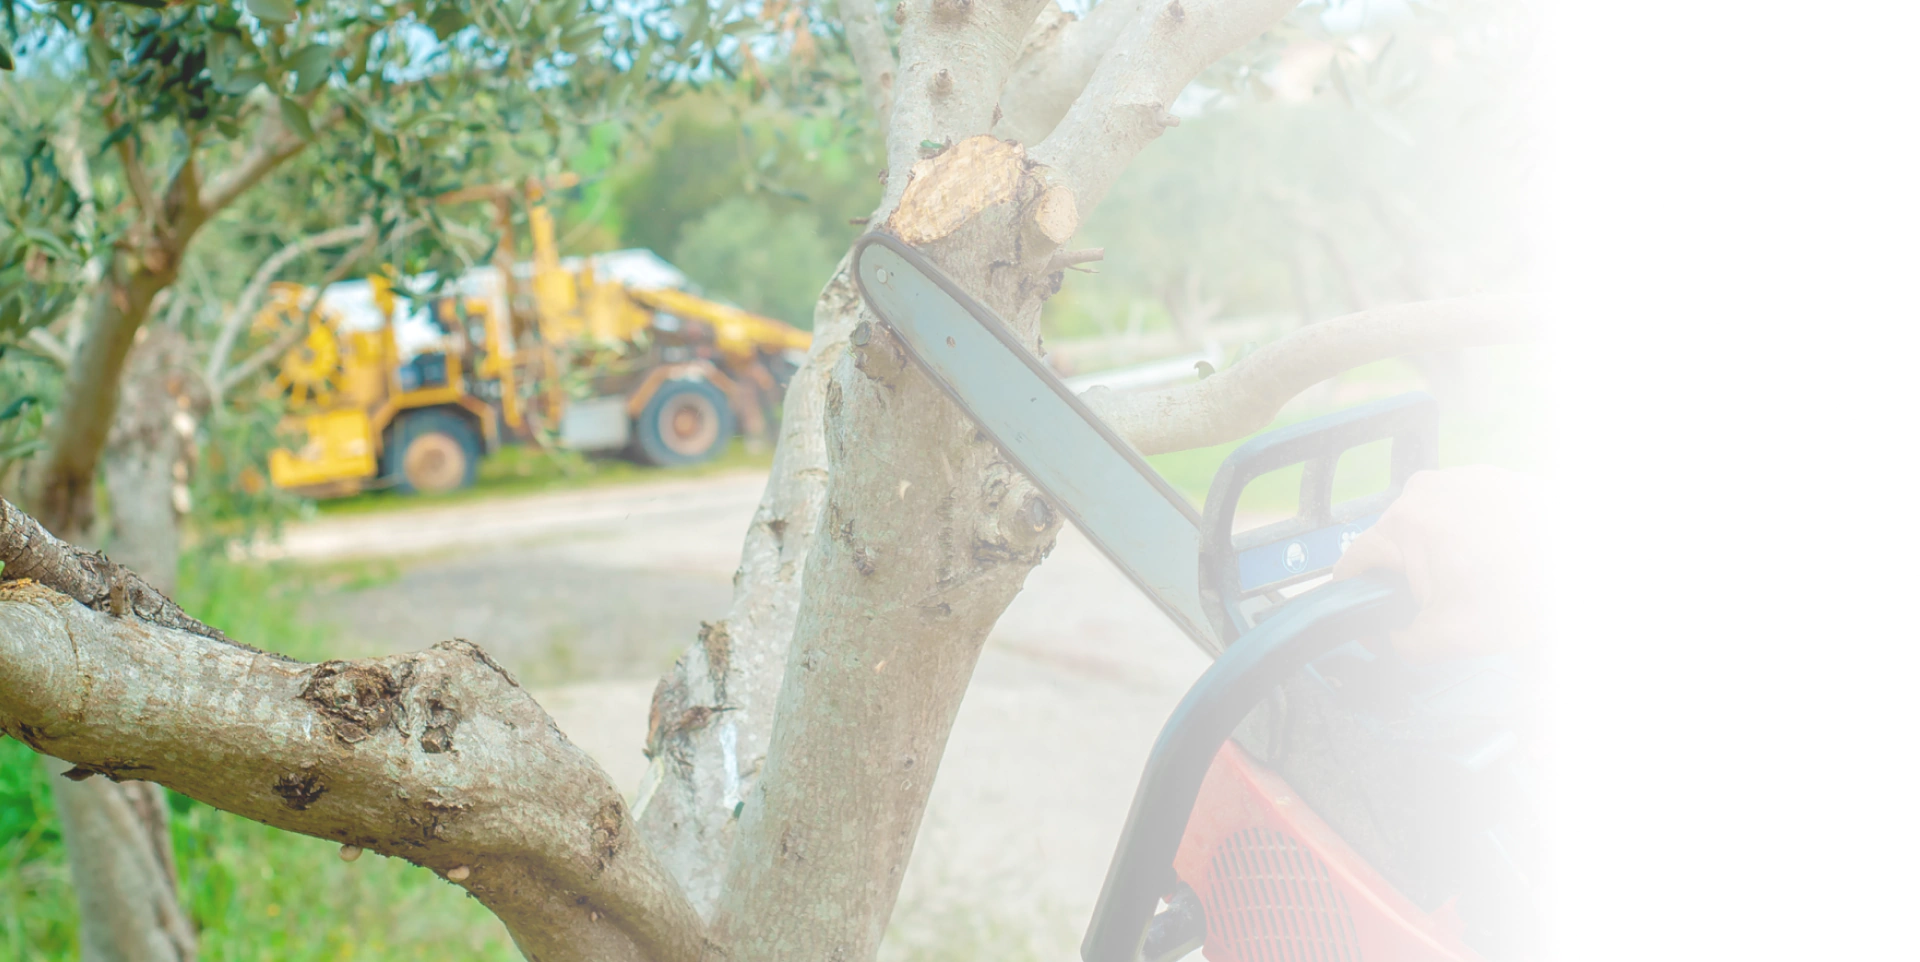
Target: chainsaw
<point>1312,798</point>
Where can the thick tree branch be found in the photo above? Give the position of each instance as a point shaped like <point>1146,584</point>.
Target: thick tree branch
<point>273,143</point>
<point>89,577</point>
<point>438,757</point>
<point>872,55</point>
<point>1127,100</point>
<point>1244,398</point>
<point>1060,56</point>
<point>62,478</point>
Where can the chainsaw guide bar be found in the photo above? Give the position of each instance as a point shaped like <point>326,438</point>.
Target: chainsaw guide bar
<point>1097,480</point>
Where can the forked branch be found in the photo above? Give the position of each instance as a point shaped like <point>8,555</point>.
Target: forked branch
<point>1129,98</point>
<point>273,142</point>
<point>438,757</point>
<point>1244,398</point>
<point>1059,58</point>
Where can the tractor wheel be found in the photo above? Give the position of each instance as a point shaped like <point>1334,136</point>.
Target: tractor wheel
<point>433,452</point>
<point>687,422</point>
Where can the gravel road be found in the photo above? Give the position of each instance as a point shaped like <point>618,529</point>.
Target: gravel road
<point>589,595</point>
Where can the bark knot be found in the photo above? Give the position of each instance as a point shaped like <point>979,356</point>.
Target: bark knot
<point>717,643</point>
<point>299,790</point>
<point>609,827</point>
<point>358,698</point>
<point>437,737</point>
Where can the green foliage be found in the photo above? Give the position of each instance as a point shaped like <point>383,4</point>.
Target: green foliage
<point>397,101</point>
<point>260,893</point>
<point>744,251</point>
<point>760,198</point>
<point>1504,421</point>
<point>36,913</point>
<point>27,383</point>
<point>1324,171</point>
<point>41,251</point>
<point>29,828</point>
<point>233,502</point>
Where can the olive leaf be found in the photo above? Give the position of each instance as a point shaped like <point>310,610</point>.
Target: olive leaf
<point>272,11</point>
<point>312,62</point>
<point>295,117</point>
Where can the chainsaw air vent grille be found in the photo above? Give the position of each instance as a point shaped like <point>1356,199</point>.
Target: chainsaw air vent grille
<point>1268,899</point>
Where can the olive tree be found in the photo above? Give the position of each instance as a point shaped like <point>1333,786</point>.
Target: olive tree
<point>142,130</point>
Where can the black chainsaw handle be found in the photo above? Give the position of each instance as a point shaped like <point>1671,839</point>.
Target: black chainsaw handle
<point>1243,676</point>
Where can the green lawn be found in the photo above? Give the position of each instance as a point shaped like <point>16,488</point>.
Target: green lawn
<point>256,893</point>
<point>1509,428</point>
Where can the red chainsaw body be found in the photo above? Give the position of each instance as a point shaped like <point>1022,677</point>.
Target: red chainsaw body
<point>1278,885</point>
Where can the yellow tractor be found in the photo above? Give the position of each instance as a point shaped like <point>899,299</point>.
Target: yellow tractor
<point>608,354</point>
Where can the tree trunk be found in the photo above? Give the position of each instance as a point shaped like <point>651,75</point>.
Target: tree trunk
<point>926,535</point>
<point>711,725</point>
<point>712,715</point>
<point>61,485</point>
<point>122,859</point>
<point>146,458</point>
<point>117,839</point>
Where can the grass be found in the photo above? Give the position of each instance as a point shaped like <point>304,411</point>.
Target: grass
<point>520,469</point>
<point>257,893</point>
<point>254,892</point>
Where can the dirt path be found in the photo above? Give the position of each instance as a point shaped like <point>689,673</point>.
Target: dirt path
<point>589,595</point>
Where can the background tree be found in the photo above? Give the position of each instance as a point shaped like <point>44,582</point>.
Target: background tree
<point>198,106</point>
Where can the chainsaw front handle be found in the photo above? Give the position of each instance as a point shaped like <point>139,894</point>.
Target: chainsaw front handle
<point>1243,676</point>
<point>1237,568</point>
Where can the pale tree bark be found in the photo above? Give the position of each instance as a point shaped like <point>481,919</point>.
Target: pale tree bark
<point>712,715</point>
<point>1059,57</point>
<point>872,56</point>
<point>438,757</point>
<point>1245,397</point>
<point>147,458</point>
<point>62,480</point>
